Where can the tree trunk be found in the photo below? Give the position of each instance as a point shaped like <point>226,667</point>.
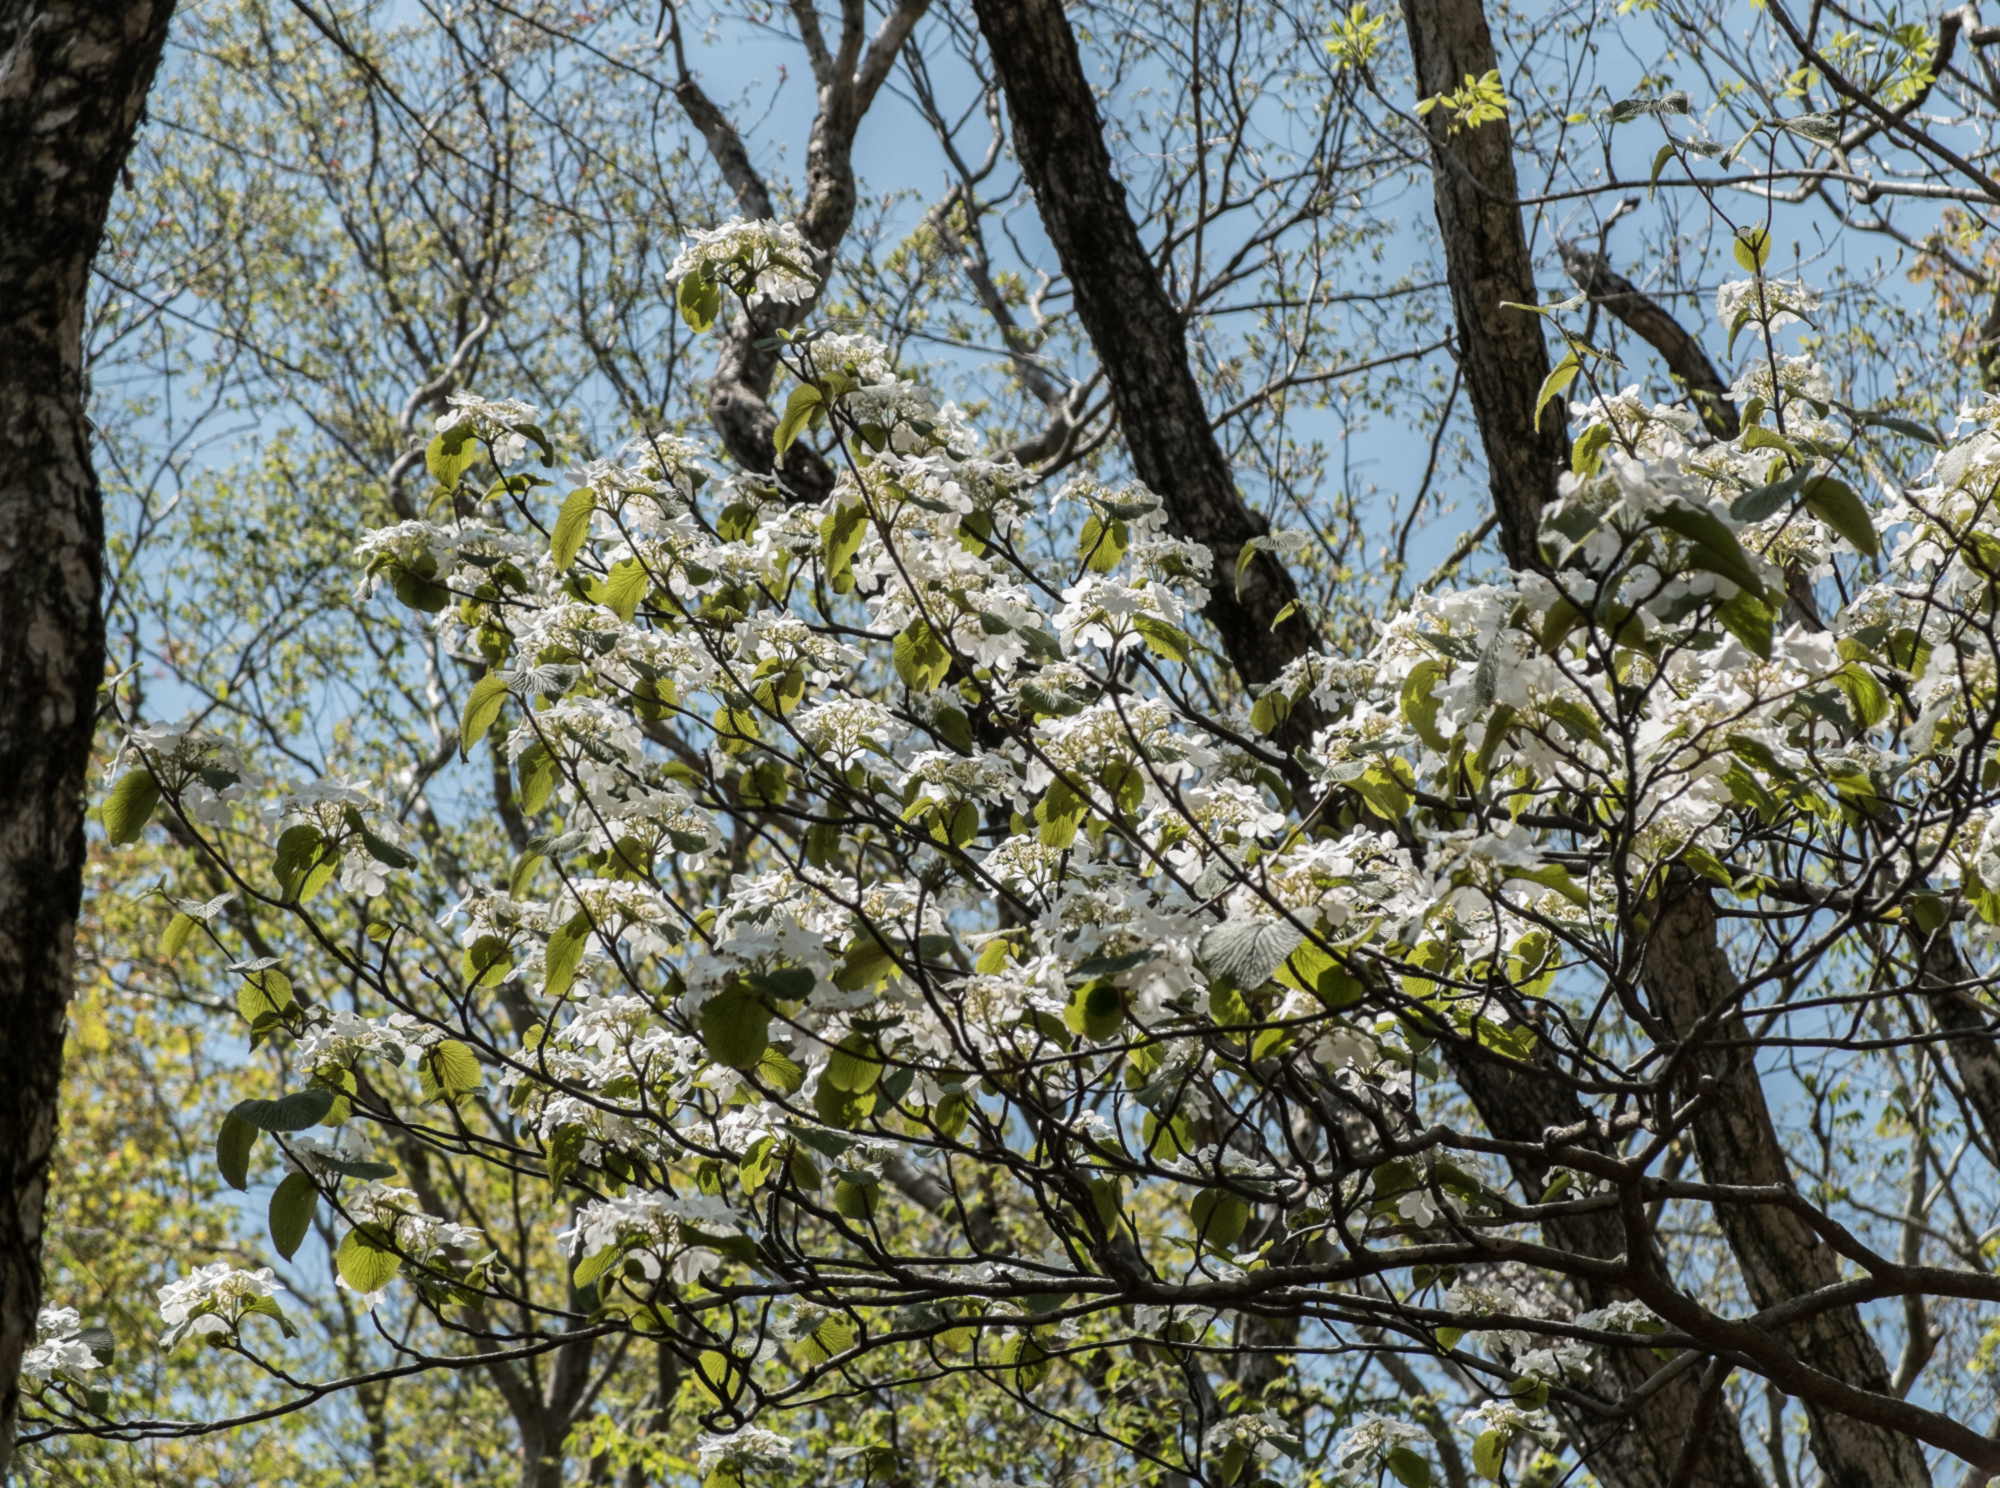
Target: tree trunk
<point>1486,259</point>
<point>1138,335</point>
<point>73,79</point>
<point>1137,331</point>
<point>1644,1449</point>
<point>1693,989</point>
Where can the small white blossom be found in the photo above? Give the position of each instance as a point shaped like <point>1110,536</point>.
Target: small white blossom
<point>57,1351</point>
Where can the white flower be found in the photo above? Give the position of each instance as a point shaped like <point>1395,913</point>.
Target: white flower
<point>1779,301</point>
<point>1376,1436</point>
<point>57,1350</point>
<point>494,420</point>
<point>213,1299</point>
<point>1626,1316</point>
<point>660,1231</point>
<point>422,1238</point>
<point>1263,1435</point>
<point>772,259</point>
<point>751,1447</point>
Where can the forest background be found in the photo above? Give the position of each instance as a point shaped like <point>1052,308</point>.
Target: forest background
<point>335,219</point>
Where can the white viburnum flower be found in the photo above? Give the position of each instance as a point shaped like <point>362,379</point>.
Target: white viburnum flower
<point>58,1351</point>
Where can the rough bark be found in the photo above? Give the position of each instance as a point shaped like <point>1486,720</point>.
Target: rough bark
<point>1504,363</point>
<point>1946,982</point>
<point>1486,259</point>
<point>1643,1449</point>
<point>1138,332</point>
<point>73,79</point>
<point>1693,990</point>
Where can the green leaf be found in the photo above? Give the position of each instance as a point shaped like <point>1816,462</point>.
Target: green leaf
<point>572,526</point>
<point>623,587</point>
<point>700,301</point>
<point>538,773</point>
<point>735,1028</point>
<point>452,1068</point>
<point>289,1113</point>
<point>834,1336</point>
<point>1489,1454</point>
<point>232,1151</point>
<point>1751,620</point>
<point>1101,544</point>
<point>482,709</point>
<point>1060,813</point>
<point>1383,792</point>
<point>1929,911</point>
<point>1165,638</point>
<point>1835,503</point>
<point>130,805</point>
<point>1219,1217</point>
<point>299,848</point>
<point>921,659</point>
<point>451,453</point>
<point>418,587</point>
<point>849,1067</point>
<point>1407,1468</point>
<point>487,960</point>
<point>1713,541</point>
<point>264,994</point>
<point>1248,952</point>
<point>1660,159</point>
<point>1866,696</point>
<point>841,532</point>
<point>780,1073</point>
<point>1764,501</point>
<point>565,954</point>
<point>1096,1011</point>
<point>1560,376</point>
<point>1270,711</point>
<point>292,1205</point>
<point>1587,454</point>
<point>805,403</point>
<point>719,1377</point>
<point>1900,425</point>
<point>1752,249</point>
<point>367,1259</point>
<point>175,936</point>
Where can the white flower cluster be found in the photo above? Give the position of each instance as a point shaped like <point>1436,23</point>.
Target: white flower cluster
<point>1373,1437</point>
<point>1528,1353</point>
<point>58,1352</point>
<point>340,1037</point>
<point>751,1448</point>
<point>203,771</point>
<point>1776,302</point>
<point>771,260</point>
<point>662,1232</point>
<point>213,1300</point>
<point>1264,1436</point>
<point>421,1238</point>
<point>498,421</point>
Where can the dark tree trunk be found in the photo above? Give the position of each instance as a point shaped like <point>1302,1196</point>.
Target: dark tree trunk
<point>1137,331</point>
<point>73,79</point>
<point>1486,259</point>
<point>1505,363</point>
<point>1645,1448</point>
<point>1693,989</point>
